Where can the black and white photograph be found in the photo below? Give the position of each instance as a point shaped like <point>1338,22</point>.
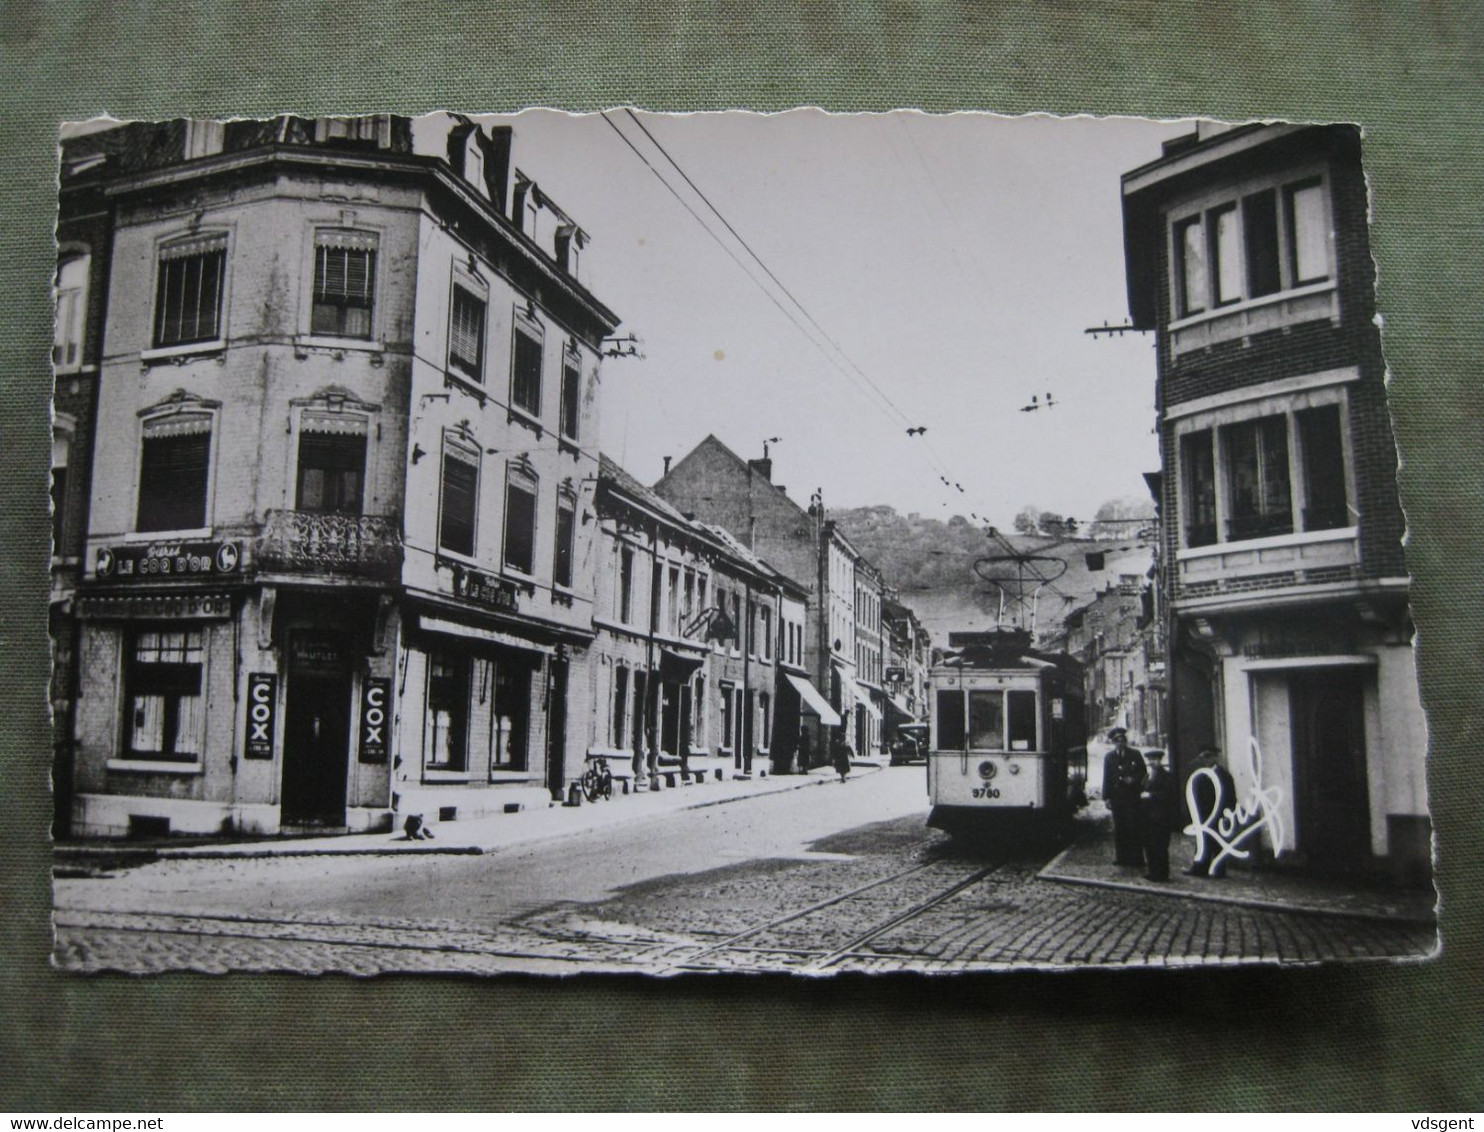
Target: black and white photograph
<point>727,543</point>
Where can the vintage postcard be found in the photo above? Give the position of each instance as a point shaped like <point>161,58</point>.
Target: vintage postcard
<point>673,544</point>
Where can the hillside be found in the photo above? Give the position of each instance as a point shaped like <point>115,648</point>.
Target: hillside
<point>931,564</point>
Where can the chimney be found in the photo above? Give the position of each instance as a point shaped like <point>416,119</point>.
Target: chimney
<point>763,467</point>
<point>667,464</point>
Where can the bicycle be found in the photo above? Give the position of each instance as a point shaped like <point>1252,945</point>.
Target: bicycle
<point>597,781</point>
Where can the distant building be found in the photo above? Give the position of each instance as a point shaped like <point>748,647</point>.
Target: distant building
<point>908,658</point>
<point>1290,630</point>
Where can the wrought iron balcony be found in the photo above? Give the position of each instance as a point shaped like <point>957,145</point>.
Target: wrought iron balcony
<point>310,542</point>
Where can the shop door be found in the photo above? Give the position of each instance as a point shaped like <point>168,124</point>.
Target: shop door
<point>669,717</point>
<point>1333,806</point>
<point>556,730</point>
<point>315,744</point>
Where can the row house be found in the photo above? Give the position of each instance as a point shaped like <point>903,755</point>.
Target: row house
<point>345,419</point>
<point>908,658</point>
<point>715,484</point>
<point>1290,630</point>
<point>692,634</point>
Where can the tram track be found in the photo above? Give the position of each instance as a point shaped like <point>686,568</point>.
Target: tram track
<point>752,946</point>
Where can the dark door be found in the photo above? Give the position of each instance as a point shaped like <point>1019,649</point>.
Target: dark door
<point>1333,807</point>
<point>316,739</point>
<point>556,730</point>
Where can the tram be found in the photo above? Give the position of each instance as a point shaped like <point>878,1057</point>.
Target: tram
<point>1008,747</point>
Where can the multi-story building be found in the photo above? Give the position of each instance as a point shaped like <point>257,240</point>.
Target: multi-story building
<point>1290,632</point>
<point>908,658</point>
<point>715,484</point>
<point>345,431</point>
<point>870,669</point>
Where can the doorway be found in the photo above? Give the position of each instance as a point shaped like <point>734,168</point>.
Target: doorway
<point>316,742</point>
<point>556,731</point>
<point>1332,803</point>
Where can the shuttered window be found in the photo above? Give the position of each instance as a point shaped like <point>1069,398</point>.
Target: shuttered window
<point>173,469</point>
<point>466,334</point>
<point>561,571</point>
<point>457,502</point>
<point>344,284</point>
<point>571,397</point>
<point>525,380</point>
<point>332,469</point>
<point>520,524</point>
<point>188,294</point>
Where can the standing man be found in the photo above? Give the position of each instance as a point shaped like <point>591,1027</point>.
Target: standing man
<point>1123,781</point>
<point>1210,792</point>
<point>1157,816</point>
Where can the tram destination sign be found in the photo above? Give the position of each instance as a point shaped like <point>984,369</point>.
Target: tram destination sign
<point>162,561</point>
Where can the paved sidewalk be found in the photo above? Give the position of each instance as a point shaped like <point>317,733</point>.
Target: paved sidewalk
<point>480,835</point>
<point>1089,861</point>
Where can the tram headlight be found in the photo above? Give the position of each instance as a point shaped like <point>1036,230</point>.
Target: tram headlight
<point>987,770</point>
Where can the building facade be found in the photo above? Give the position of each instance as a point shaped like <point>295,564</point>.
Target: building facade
<point>1290,632</point>
<point>347,402</point>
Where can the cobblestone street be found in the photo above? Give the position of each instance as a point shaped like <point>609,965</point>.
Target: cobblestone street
<point>878,896</point>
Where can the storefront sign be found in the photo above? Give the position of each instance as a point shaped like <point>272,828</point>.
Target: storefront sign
<point>326,655</point>
<point>262,701</point>
<point>166,560</point>
<point>482,589</point>
<point>156,607</point>
<point>376,713</point>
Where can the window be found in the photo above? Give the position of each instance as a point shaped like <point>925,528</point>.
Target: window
<point>765,720</point>
<point>332,465</point>
<point>344,284</point>
<point>625,584</point>
<point>1247,248</point>
<point>188,294</point>
<point>525,373</point>
<point>445,740</point>
<point>727,718</point>
<point>203,137</point>
<point>513,715</point>
<point>1198,465</point>
<point>1020,709</point>
<point>520,521</point>
<point>466,334</point>
<point>1323,451</point>
<point>698,735</point>
<point>672,601</point>
<point>949,719</point>
<point>1257,478</point>
<point>162,693</point>
<point>61,458</point>
<point>620,702</point>
<point>986,720</point>
<point>571,397</point>
<point>458,500</point>
<point>561,571</point>
<point>72,304</point>
<point>173,472</point>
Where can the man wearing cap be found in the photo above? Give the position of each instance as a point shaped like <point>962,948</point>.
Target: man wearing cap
<point>1157,815</point>
<point>1123,781</point>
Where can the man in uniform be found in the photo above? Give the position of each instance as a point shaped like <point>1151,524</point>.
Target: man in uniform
<point>1123,781</point>
<point>1157,816</point>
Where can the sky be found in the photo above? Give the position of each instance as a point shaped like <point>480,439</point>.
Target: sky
<point>946,265</point>
<point>954,260</point>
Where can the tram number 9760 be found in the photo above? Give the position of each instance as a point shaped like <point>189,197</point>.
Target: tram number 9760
<point>985,792</point>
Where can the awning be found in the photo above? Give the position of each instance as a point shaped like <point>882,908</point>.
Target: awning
<point>900,709</point>
<point>678,667</point>
<point>863,697</point>
<point>814,701</point>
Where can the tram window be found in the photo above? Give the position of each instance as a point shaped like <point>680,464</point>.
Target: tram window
<point>950,720</point>
<point>986,721</point>
<point>1022,711</point>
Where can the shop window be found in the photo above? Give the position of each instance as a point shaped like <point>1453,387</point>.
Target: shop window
<point>344,284</point>
<point>513,707</point>
<point>162,694</point>
<point>520,521</point>
<point>466,334</point>
<point>458,501</point>
<point>332,469</point>
<point>72,307</point>
<point>174,466</point>
<point>446,737</point>
<point>561,570</point>
<point>188,291</point>
<point>525,373</point>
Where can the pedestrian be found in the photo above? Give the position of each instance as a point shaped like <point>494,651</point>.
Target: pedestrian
<point>1211,793</point>
<point>1157,815</point>
<point>840,755</point>
<point>1123,782</point>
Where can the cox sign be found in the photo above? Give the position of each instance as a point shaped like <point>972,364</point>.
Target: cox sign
<point>262,703</point>
<point>376,718</point>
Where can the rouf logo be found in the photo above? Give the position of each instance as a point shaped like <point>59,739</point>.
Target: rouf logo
<point>262,701</point>
<point>376,697</point>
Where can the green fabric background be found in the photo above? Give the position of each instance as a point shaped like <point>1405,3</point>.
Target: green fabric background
<point>1383,1037</point>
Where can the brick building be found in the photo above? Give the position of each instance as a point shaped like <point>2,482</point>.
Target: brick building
<point>345,422</point>
<point>1290,632</point>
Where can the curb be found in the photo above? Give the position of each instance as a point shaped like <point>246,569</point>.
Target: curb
<point>125,857</point>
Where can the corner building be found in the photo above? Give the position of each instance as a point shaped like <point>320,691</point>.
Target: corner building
<point>1290,630</point>
<point>333,567</point>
